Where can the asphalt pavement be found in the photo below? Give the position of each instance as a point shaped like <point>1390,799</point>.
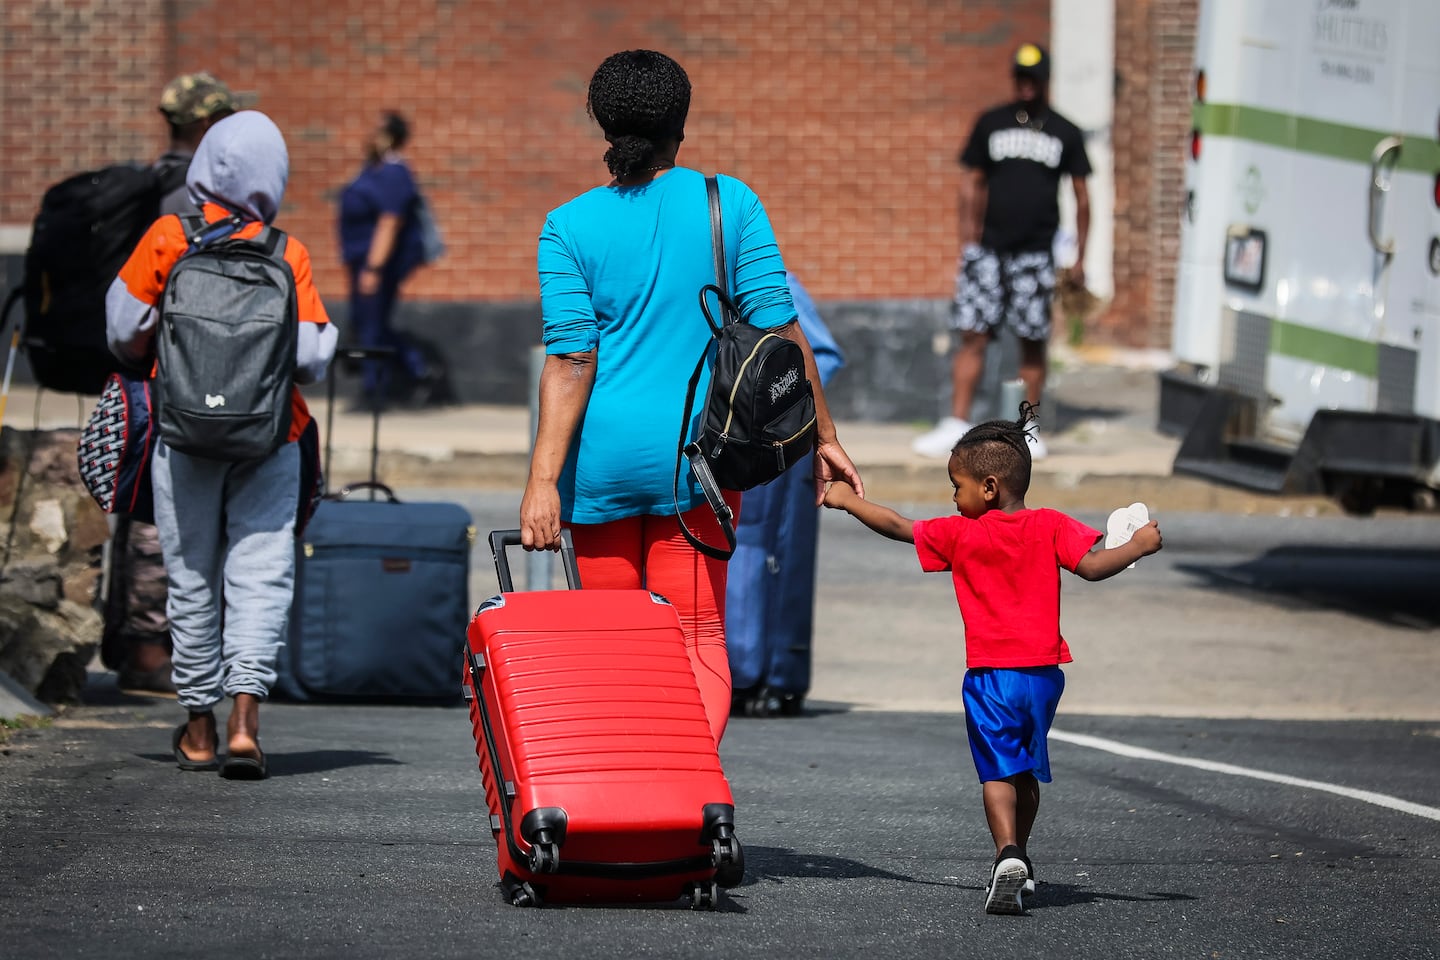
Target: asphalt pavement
<point>862,832</point>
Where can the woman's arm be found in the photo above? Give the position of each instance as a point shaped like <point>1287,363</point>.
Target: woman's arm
<point>832,463</point>
<point>762,295</point>
<point>565,384</point>
<point>382,245</point>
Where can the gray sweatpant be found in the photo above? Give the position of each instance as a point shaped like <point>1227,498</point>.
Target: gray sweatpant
<point>227,530</point>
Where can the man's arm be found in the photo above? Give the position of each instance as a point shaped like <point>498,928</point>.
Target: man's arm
<point>974,195</point>
<point>1082,224</point>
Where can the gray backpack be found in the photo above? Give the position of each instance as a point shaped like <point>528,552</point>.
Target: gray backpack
<point>225,345</point>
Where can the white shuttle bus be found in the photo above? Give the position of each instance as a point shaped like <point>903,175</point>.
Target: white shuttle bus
<point>1307,318</point>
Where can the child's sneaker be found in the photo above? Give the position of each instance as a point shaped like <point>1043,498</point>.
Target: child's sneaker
<point>1007,879</point>
<point>1029,876</point>
<point>942,439</point>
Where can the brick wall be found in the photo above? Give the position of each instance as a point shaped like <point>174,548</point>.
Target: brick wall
<point>845,115</point>
<point>79,82</point>
<point>1154,53</point>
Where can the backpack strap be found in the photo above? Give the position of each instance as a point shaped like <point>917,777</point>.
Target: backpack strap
<point>691,451</point>
<point>717,232</point>
<point>170,174</point>
<point>193,223</point>
<point>271,241</point>
<point>201,233</point>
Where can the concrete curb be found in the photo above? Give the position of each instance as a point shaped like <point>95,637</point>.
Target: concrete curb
<point>16,701</point>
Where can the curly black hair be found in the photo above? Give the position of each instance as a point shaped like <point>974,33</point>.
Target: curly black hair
<point>1000,448</point>
<point>640,98</point>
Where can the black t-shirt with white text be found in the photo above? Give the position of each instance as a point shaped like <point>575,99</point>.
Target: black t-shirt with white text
<point>1023,163</point>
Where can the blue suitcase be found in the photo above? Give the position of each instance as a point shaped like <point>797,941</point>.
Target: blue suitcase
<point>381,603</point>
<point>381,591</point>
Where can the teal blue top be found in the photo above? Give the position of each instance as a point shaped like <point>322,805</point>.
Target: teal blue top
<point>620,272</point>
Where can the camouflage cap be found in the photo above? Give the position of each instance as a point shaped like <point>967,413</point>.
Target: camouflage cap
<point>194,96</point>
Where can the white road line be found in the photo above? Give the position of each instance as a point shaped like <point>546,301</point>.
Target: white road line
<point>1140,753</point>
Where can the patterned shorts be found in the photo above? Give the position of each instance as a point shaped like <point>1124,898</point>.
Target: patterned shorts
<point>1016,288</point>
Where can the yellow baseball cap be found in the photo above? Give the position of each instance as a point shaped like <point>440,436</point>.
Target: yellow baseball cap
<point>1031,60</point>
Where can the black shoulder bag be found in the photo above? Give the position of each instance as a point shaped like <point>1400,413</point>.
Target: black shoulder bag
<point>759,415</point>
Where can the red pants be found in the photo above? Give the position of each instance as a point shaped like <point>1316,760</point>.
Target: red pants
<point>651,553</point>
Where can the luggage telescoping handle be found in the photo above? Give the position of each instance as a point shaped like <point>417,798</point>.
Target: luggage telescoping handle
<point>500,539</point>
<point>354,353</point>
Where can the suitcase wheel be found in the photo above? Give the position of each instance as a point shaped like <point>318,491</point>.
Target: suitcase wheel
<point>702,896</point>
<point>544,858</point>
<point>522,895</point>
<point>729,860</point>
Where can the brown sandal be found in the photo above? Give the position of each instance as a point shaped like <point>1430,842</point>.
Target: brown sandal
<point>183,761</point>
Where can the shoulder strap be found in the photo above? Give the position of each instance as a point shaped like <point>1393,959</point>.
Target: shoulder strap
<point>691,451</point>
<point>170,174</point>
<point>272,241</point>
<point>192,223</point>
<point>717,233</point>
<point>199,234</point>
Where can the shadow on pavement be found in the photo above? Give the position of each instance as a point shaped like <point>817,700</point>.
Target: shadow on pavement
<point>1051,895</point>
<point>293,764</point>
<point>779,863</point>
<point>319,761</point>
<point>1391,586</point>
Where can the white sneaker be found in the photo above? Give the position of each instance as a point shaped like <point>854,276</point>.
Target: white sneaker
<point>942,439</point>
<point>1038,450</point>
<point>1007,880</point>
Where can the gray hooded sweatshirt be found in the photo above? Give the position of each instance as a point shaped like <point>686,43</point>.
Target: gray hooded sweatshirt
<point>242,164</point>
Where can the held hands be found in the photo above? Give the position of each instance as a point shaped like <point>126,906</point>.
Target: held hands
<point>838,495</point>
<point>832,464</point>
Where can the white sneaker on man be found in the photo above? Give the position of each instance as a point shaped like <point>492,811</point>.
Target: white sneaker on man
<point>942,439</point>
<point>1038,450</point>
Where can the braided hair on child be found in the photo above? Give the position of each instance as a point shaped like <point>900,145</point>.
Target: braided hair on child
<point>1000,448</point>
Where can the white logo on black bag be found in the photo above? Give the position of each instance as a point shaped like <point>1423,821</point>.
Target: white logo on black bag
<point>213,400</point>
<point>784,384</point>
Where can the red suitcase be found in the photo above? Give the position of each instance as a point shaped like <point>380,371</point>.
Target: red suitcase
<point>601,774</point>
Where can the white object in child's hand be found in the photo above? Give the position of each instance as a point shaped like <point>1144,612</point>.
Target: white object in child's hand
<point>1123,523</point>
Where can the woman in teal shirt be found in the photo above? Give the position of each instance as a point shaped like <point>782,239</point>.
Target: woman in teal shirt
<point>621,267</point>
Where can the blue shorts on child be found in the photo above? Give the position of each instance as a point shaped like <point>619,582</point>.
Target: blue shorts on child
<point>1008,712</point>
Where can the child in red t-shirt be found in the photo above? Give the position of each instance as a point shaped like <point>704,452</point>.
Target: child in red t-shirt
<point>1005,561</point>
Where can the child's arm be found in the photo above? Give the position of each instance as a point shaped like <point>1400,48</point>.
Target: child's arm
<point>1105,563</point>
<point>880,518</point>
